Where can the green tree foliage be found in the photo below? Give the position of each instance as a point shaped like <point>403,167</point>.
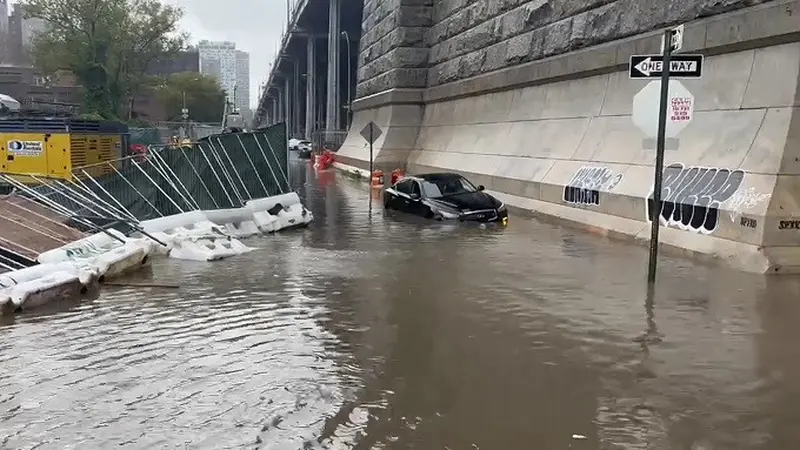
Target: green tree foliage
<point>107,44</point>
<point>205,98</point>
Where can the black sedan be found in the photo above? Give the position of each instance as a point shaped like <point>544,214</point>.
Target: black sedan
<point>444,196</point>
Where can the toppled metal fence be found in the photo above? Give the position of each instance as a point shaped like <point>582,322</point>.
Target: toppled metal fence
<point>218,172</point>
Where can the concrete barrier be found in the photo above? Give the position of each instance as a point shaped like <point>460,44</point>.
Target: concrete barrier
<point>279,212</point>
<point>191,236</point>
<point>563,144</point>
<point>101,253</point>
<point>214,234</point>
<point>45,283</point>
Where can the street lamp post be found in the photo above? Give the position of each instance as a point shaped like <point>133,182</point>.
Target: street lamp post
<point>349,78</point>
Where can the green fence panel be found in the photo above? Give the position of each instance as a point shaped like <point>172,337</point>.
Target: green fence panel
<point>220,171</point>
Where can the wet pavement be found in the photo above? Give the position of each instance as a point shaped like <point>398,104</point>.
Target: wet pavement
<point>370,331</point>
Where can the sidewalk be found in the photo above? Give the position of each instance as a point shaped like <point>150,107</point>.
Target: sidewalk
<point>30,229</point>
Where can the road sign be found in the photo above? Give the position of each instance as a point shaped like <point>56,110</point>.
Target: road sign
<point>651,66</point>
<point>371,132</point>
<point>680,108</point>
<point>677,39</point>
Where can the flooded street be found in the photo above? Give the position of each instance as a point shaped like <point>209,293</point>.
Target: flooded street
<point>371,331</point>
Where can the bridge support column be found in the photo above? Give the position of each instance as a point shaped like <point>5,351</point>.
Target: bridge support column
<point>333,108</point>
<point>311,85</point>
<point>287,104</point>
<point>297,100</point>
<point>274,107</point>
<point>279,108</point>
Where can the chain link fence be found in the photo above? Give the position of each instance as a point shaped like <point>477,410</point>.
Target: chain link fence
<point>220,171</point>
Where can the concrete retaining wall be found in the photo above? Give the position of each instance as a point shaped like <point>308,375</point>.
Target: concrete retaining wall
<point>556,136</point>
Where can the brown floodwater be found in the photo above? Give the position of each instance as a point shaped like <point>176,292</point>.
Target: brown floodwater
<point>373,331</point>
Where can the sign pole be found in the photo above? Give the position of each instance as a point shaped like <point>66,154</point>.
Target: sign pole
<point>659,166</point>
<point>371,140</point>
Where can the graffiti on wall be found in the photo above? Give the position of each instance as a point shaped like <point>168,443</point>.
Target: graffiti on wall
<point>585,186</point>
<point>744,200</point>
<point>691,196</point>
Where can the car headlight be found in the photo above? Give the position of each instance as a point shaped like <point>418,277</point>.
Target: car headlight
<point>448,214</point>
<point>502,207</point>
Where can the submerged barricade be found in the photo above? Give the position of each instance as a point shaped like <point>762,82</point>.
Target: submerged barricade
<point>190,203</point>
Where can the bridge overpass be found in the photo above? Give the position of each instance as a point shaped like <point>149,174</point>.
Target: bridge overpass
<point>301,89</point>
<point>527,97</point>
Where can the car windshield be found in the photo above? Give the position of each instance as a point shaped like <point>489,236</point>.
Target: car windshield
<point>446,186</point>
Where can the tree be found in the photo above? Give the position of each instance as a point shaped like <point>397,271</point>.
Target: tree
<point>106,44</point>
<point>205,98</point>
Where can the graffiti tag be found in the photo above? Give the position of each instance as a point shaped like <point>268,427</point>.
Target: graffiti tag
<point>789,225</point>
<point>585,186</point>
<point>691,196</point>
<point>744,200</point>
<point>748,222</point>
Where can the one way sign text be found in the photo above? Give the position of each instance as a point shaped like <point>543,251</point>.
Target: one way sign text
<point>651,66</point>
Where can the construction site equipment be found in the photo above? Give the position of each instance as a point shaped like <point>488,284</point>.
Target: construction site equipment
<point>51,147</point>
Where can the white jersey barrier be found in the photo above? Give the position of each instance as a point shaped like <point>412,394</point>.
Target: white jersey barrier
<point>100,252</point>
<point>44,283</point>
<point>278,212</point>
<point>192,236</point>
<point>237,222</point>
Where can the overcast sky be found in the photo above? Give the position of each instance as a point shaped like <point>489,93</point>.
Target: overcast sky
<point>254,25</point>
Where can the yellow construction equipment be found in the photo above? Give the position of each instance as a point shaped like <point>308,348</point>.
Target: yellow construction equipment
<point>59,147</point>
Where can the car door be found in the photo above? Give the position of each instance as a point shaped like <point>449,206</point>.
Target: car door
<point>402,201</point>
<point>415,205</point>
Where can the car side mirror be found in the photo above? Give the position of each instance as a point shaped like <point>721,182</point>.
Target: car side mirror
<point>415,196</point>
<point>481,188</point>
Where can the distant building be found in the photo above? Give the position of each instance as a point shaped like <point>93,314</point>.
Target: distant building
<point>187,61</point>
<point>212,67</point>
<point>33,90</point>
<point>242,81</point>
<point>219,59</point>
<point>5,45</point>
<point>14,43</point>
<point>20,33</point>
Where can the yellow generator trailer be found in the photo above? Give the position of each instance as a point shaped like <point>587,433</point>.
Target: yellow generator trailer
<point>59,147</point>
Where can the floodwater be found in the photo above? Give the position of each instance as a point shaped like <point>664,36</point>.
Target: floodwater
<point>367,331</point>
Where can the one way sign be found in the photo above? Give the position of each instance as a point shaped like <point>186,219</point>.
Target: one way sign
<point>651,66</point>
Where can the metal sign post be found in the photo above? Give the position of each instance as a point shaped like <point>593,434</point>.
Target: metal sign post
<point>659,166</point>
<point>371,133</point>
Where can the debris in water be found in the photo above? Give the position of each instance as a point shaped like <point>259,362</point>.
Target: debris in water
<point>578,436</point>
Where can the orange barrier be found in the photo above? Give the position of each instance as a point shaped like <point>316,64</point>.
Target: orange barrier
<point>324,161</point>
<point>397,175</point>
<point>377,179</point>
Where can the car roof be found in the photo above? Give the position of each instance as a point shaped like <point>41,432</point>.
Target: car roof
<point>438,176</point>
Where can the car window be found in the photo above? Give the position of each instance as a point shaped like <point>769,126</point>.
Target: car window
<point>404,187</point>
<point>415,188</point>
<point>447,186</point>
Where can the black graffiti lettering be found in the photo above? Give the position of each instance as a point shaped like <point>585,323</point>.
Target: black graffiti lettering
<point>789,225</point>
<point>581,196</point>
<point>748,222</point>
<point>691,196</point>
<point>585,186</point>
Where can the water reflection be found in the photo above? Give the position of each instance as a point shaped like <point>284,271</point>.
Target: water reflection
<point>372,330</point>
